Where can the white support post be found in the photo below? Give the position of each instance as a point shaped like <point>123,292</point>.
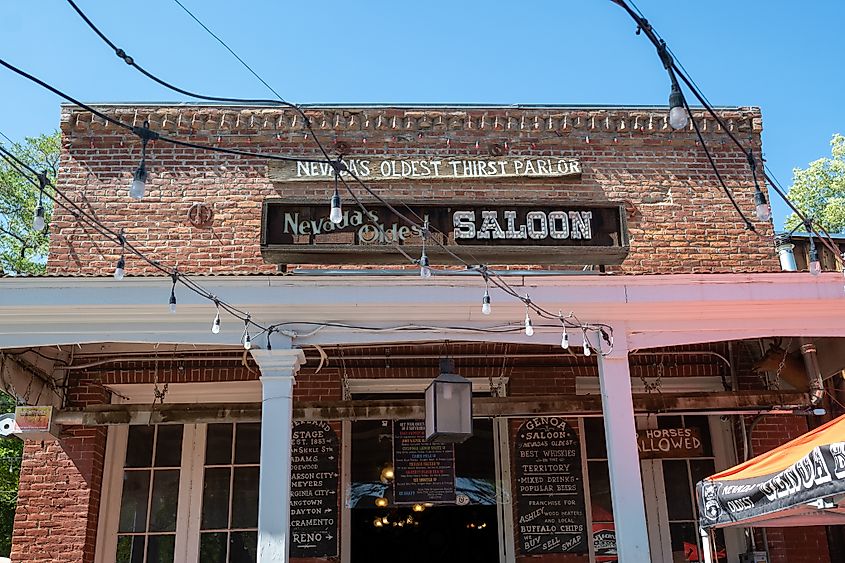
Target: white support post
<point>626,488</point>
<point>278,371</point>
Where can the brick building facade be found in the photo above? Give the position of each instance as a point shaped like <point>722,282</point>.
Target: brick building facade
<point>681,230</point>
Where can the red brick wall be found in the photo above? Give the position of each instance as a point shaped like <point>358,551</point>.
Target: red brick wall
<point>679,220</point>
<point>59,495</point>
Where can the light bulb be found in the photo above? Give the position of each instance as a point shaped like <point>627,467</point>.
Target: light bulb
<point>215,326</point>
<point>425,269</point>
<point>336,215</point>
<point>172,302</point>
<point>120,269</point>
<point>564,340</point>
<point>38,220</point>
<point>815,265</point>
<point>529,328</point>
<point>678,116</point>
<point>763,209</point>
<point>139,182</point>
<point>485,303</point>
<point>587,350</point>
<point>247,341</point>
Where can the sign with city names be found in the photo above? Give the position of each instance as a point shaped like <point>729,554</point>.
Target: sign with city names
<point>423,471</point>
<point>550,488</point>
<point>314,481</point>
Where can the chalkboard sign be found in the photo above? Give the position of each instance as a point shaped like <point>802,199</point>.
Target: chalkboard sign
<point>423,471</point>
<point>550,488</point>
<point>313,495</point>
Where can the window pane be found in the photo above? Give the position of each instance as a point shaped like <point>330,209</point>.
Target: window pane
<point>164,501</point>
<point>245,498</point>
<point>248,443</point>
<point>684,542</point>
<point>600,491</point>
<point>169,445</point>
<point>130,549</point>
<point>594,435</point>
<point>676,484</point>
<point>218,444</point>
<point>139,447</point>
<point>133,504</point>
<point>160,549</point>
<point>670,422</point>
<point>243,547</point>
<point>215,498</point>
<point>213,547</point>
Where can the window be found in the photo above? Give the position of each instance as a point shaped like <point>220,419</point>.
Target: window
<point>229,515</point>
<point>149,500</point>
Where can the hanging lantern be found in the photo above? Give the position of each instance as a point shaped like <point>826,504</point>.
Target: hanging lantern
<point>448,406</point>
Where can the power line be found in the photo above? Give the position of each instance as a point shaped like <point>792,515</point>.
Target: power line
<point>234,54</point>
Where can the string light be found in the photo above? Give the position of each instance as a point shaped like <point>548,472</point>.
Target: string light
<point>588,351</point>
<point>425,268</point>
<point>120,269</point>
<point>336,214</point>
<point>529,328</point>
<point>175,277</point>
<point>678,116</point>
<point>245,339</point>
<point>485,302</point>
<point>139,179</point>
<point>215,325</point>
<point>815,265</point>
<point>761,207</point>
<point>38,222</point>
<point>564,339</point>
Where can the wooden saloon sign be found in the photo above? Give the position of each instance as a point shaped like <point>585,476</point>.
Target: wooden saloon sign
<point>494,231</point>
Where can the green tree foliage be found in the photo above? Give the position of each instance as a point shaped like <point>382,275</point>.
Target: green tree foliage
<point>10,455</point>
<point>23,251</point>
<point>819,190</point>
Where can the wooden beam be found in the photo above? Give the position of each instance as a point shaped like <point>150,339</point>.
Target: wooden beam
<point>508,407</point>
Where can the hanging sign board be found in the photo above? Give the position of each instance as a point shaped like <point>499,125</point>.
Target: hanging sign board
<point>313,496</point>
<point>423,471</point>
<point>35,423</point>
<point>657,443</point>
<point>498,233</point>
<point>550,488</point>
<point>379,168</point>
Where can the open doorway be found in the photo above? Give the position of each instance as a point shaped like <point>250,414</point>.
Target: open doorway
<point>394,516</point>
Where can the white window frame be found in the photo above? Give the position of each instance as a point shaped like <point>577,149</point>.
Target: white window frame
<point>112,492</point>
<point>192,462</point>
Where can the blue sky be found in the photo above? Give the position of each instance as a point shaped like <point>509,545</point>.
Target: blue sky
<point>782,56</point>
